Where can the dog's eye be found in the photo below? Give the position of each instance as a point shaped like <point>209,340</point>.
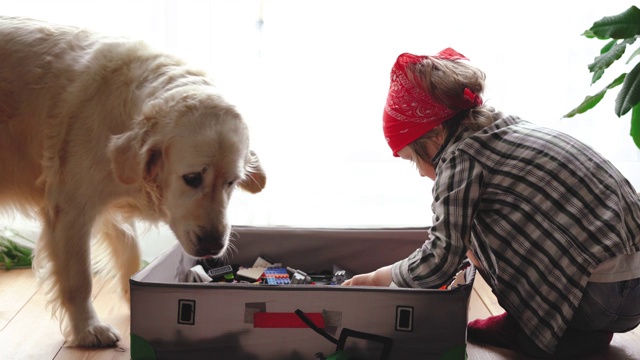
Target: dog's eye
<point>193,180</point>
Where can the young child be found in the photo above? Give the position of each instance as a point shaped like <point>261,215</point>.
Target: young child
<point>551,225</point>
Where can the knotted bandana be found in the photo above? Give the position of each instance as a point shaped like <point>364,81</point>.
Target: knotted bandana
<point>410,112</point>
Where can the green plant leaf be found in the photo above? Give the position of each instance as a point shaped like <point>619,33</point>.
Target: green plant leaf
<point>13,254</point>
<point>609,54</point>
<point>8,264</point>
<point>629,95</point>
<point>635,53</point>
<point>635,125</point>
<point>590,102</point>
<point>621,26</point>
<point>596,76</point>
<point>608,46</point>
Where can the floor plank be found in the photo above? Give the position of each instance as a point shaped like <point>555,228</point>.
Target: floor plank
<point>16,289</point>
<point>485,293</point>
<point>624,346</point>
<point>31,333</point>
<point>477,308</point>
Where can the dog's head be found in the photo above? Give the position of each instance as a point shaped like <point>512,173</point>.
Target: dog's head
<point>187,157</point>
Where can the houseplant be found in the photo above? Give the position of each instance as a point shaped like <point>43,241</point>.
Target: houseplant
<point>14,254</point>
<point>621,31</point>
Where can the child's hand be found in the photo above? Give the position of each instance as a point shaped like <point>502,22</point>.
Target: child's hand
<point>380,277</point>
<point>360,280</point>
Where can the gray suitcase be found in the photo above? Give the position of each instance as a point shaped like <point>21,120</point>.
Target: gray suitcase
<point>174,319</point>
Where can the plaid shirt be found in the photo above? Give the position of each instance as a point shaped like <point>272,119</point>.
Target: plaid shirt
<point>539,209</point>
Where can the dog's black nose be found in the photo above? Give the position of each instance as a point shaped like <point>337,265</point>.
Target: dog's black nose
<point>211,243</point>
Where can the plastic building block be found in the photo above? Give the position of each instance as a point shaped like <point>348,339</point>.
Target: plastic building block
<point>224,273</point>
<point>277,276</point>
<point>251,274</point>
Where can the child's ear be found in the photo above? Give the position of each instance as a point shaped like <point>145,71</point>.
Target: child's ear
<point>255,179</point>
<point>125,159</point>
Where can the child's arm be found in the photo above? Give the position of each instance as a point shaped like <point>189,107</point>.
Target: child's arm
<point>380,277</point>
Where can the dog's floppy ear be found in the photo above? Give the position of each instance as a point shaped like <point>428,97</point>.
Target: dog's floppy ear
<point>129,162</point>
<point>152,162</point>
<point>255,179</point>
<point>125,159</point>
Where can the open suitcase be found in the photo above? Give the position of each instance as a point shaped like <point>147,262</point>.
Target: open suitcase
<point>174,319</point>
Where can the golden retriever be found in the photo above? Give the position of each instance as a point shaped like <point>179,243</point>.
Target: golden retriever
<point>96,132</point>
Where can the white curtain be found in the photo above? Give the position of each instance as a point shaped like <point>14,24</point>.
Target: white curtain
<point>311,78</point>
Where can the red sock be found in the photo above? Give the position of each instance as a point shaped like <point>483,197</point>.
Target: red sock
<point>500,330</point>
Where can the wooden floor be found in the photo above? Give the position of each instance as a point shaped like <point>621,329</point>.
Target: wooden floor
<point>28,332</point>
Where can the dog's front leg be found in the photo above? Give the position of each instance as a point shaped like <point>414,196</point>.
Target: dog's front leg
<point>65,250</point>
<point>120,235</point>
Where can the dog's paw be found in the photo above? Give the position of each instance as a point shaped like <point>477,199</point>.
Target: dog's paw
<point>97,335</point>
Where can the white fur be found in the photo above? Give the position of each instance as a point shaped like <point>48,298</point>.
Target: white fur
<point>96,132</point>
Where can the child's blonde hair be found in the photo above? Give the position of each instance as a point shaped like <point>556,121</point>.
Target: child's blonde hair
<point>445,81</point>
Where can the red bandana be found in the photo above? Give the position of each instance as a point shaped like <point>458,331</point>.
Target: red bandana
<point>410,112</point>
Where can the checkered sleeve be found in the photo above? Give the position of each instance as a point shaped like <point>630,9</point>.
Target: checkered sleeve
<point>456,193</point>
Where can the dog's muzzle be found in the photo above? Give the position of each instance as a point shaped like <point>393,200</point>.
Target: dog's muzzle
<point>211,243</point>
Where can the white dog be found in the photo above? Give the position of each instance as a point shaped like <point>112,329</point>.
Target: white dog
<point>96,132</point>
